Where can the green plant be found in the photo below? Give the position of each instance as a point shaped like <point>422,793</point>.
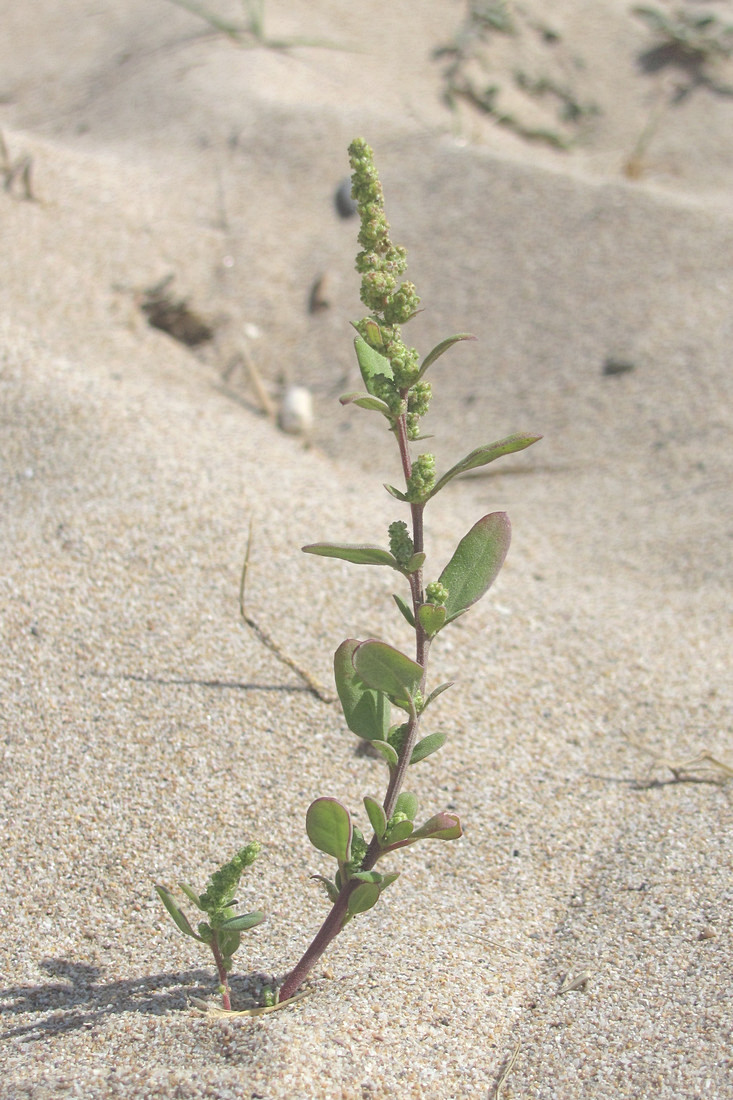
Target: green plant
<point>375,681</point>
<point>507,65</point>
<point>223,930</point>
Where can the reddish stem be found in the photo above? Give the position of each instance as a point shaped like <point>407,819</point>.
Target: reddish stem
<point>334,922</point>
<point>223,975</point>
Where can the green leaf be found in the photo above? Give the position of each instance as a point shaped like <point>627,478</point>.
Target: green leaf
<point>404,608</point>
<point>387,880</point>
<point>432,618</point>
<point>366,401</point>
<point>476,562</point>
<point>399,833</point>
<point>228,943</point>
<point>243,922</point>
<point>357,554</point>
<point>371,363</point>
<point>374,332</point>
<point>443,826</point>
<point>386,669</point>
<point>366,710</point>
<point>376,815</point>
<point>440,348</point>
<point>367,876</point>
<point>436,692</point>
<point>330,887</point>
<point>428,745</point>
<point>482,456</point>
<point>328,824</point>
<point>396,493</point>
<point>387,751</point>
<point>416,562</point>
<point>406,804</point>
<point>180,919</point>
<point>365,896</point>
<point>192,896</point>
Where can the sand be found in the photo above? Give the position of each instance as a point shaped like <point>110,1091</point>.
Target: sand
<point>584,919</point>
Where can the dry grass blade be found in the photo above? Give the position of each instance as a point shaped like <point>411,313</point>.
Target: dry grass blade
<point>313,685</point>
<point>501,1079</point>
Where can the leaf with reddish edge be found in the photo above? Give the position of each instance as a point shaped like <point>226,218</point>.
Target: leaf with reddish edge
<point>476,563</point>
<point>443,826</point>
<point>329,828</point>
<point>366,710</point>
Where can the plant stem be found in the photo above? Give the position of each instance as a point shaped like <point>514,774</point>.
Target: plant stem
<point>223,975</point>
<point>334,922</point>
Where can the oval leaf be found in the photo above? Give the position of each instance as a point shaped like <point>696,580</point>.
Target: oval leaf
<point>365,896</point>
<point>366,711</point>
<point>406,804</point>
<point>476,562</point>
<point>432,618</point>
<point>355,553</point>
<point>482,456</point>
<point>428,745</point>
<point>328,825</point>
<point>386,669</point>
<point>399,833</point>
<point>371,363</point>
<point>376,814</point>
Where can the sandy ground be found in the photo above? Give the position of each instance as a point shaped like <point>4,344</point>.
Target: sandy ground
<point>146,734</point>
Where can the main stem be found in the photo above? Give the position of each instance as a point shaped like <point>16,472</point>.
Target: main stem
<point>223,975</point>
<point>335,920</point>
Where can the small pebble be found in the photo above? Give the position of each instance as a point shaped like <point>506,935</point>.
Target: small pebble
<point>296,411</point>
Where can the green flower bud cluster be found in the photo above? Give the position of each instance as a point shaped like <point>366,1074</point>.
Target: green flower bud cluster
<point>418,403</point>
<point>397,735</point>
<point>422,478</point>
<point>437,593</point>
<point>380,265</point>
<point>401,545</point>
<point>223,883</point>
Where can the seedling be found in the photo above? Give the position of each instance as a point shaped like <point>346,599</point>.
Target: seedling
<point>384,692</point>
<point>222,932</point>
